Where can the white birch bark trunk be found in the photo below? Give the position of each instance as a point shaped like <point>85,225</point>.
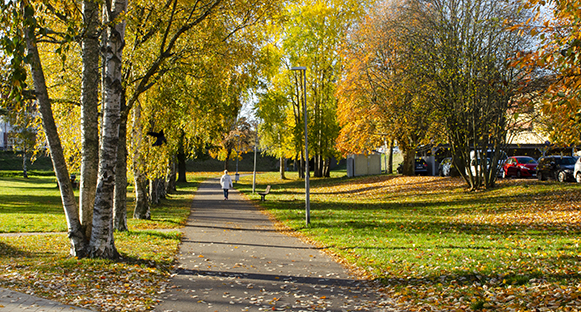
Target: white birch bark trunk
<point>102,244</point>
<point>89,114</point>
<point>120,203</point>
<point>76,235</point>
<point>142,203</point>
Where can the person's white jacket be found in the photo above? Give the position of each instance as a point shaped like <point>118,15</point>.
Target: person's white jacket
<point>226,182</point>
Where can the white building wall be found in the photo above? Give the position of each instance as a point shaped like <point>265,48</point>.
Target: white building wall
<point>360,165</point>
<point>4,129</point>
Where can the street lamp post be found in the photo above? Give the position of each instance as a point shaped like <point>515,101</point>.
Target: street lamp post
<point>255,150</point>
<point>303,69</point>
<point>237,176</point>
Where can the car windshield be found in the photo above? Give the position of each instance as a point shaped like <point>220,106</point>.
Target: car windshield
<point>565,160</point>
<point>528,160</point>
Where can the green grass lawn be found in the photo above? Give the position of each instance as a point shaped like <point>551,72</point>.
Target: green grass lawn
<point>432,243</point>
<point>41,265</point>
<point>34,205</point>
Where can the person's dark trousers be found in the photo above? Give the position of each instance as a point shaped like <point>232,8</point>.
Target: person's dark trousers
<point>225,193</point>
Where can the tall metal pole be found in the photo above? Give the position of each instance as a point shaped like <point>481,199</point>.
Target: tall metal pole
<point>237,176</point>
<point>255,148</point>
<point>307,187</point>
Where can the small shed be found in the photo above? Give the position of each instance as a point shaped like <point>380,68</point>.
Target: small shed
<point>361,165</point>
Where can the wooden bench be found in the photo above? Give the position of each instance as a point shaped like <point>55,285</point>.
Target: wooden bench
<point>263,194</point>
<point>74,182</point>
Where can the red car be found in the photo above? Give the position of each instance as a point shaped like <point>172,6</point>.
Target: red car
<point>520,167</point>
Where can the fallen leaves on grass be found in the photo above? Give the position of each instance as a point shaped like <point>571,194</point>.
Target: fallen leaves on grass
<point>438,247</point>
<point>40,266</point>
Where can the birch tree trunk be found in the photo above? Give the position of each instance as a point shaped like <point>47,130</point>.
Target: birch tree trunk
<point>170,186</point>
<point>76,235</point>
<point>154,191</point>
<point>142,208</point>
<point>120,202</point>
<point>390,159</point>
<point>89,114</point>
<point>281,168</point>
<point>102,244</point>
<point>24,170</point>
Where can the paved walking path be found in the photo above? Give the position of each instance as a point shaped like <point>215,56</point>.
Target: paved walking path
<point>11,301</point>
<point>232,259</point>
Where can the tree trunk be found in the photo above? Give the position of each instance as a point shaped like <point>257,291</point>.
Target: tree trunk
<point>89,114</point>
<point>282,168</point>
<point>226,162</point>
<point>327,167</point>
<point>153,192</point>
<point>171,177</point>
<point>156,190</point>
<point>301,167</point>
<point>102,244</point>
<point>409,162</point>
<point>142,210</point>
<point>318,166</point>
<point>390,160</point>
<point>120,203</point>
<point>182,167</point>
<point>76,235</point>
<point>24,170</point>
<point>181,160</point>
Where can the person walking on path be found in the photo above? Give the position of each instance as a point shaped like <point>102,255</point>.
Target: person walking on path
<point>226,183</point>
<point>232,258</point>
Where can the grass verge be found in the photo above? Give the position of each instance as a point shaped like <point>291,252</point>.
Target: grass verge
<point>436,246</point>
<point>40,264</point>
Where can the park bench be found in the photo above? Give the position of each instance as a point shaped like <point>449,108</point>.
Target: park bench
<point>263,194</point>
<point>74,182</point>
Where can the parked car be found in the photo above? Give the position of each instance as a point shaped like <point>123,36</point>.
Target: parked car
<point>446,168</point>
<point>577,170</point>
<point>559,168</point>
<point>420,167</point>
<point>520,167</point>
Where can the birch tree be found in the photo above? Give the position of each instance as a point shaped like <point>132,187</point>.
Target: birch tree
<point>91,77</point>
<point>19,36</point>
<point>102,244</point>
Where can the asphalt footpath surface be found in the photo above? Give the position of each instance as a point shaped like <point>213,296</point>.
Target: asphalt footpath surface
<point>12,301</point>
<point>232,259</point>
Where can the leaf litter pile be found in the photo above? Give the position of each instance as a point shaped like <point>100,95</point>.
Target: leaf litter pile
<point>437,247</point>
<point>40,266</point>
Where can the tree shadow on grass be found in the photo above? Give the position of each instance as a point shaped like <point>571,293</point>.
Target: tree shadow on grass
<point>31,204</point>
<point>8,251</point>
